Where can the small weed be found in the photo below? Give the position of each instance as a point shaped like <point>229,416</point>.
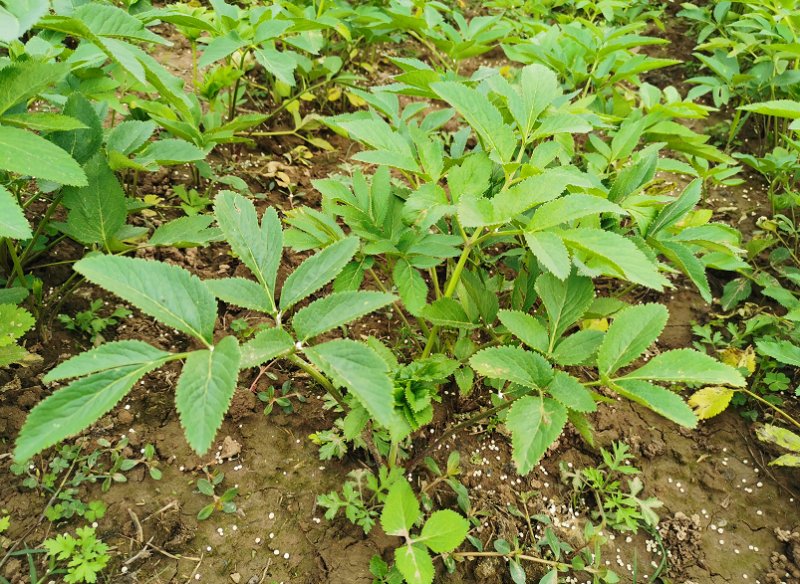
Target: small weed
<point>81,558</point>
<point>208,486</point>
<point>617,507</point>
<point>90,323</point>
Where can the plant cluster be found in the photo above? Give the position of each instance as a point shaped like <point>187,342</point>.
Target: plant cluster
<point>500,218</point>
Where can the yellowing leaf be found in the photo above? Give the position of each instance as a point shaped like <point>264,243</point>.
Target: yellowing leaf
<point>355,100</point>
<point>594,324</point>
<point>740,359</point>
<point>696,218</point>
<point>334,93</point>
<point>307,96</point>
<point>710,401</point>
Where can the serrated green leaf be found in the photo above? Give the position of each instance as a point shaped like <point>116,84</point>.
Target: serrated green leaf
<point>11,354</point>
<point>551,253</point>
<point>447,312</point>
<point>336,310</point>
<point>14,322</point>
<point>84,143</point>
<point>22,152</point>
<point>75,407</point>
<point>128,136</point>
<point>526,328</point>
<point>682,256</point>
<point>614,255</point>
<point>361,370</point>
<point>784,351</point>
<point>535,423</point>
<point>513,364</point>
<point>578,347</point>
<point>410,285</point>
<point>571,392</point>
<point>565,301</point>
<point>479,113</point>
<point>317,271</point>
<point>444,531</point>
<point>260,247</point>
<point>204,391</point>
<point>265,346</point>
<point>23,79</point>
<point>168,293</point>
<point>781,108</point>
<point>44,122</point>
<point>633,330</point>
<point>400,509</point>
<point>19,16</point>
<point>170,152</point>
<point>569,208</point>
<point>96,211</point>
<point>13,223</point>
<point>186,232</point>
<point>13,295</point>
<point>687,366</point>
<point>104,357</point>
<point>662,401</point>
<point>415,564</point>
<point>241,292</point>
<point>677,209</point>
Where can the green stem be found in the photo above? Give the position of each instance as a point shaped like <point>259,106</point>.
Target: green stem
<point>17,265</point>
<point>40,227</point>
<point>471,421</point>
<point>452,283</point>
<point>319,378</point>
<point>519,556</point>
<point>393,450</point>
<point>757,397</point>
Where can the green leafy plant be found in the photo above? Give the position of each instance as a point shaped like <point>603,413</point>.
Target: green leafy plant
<point>442,532</point>
<point>616,507</point>
<point>208,487</point>
<point>784,439</point>
<point>74,467</point>
<point>14,322</point>
<point>91,323</point>
<point>180,300</point>
<point>84,556</point>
